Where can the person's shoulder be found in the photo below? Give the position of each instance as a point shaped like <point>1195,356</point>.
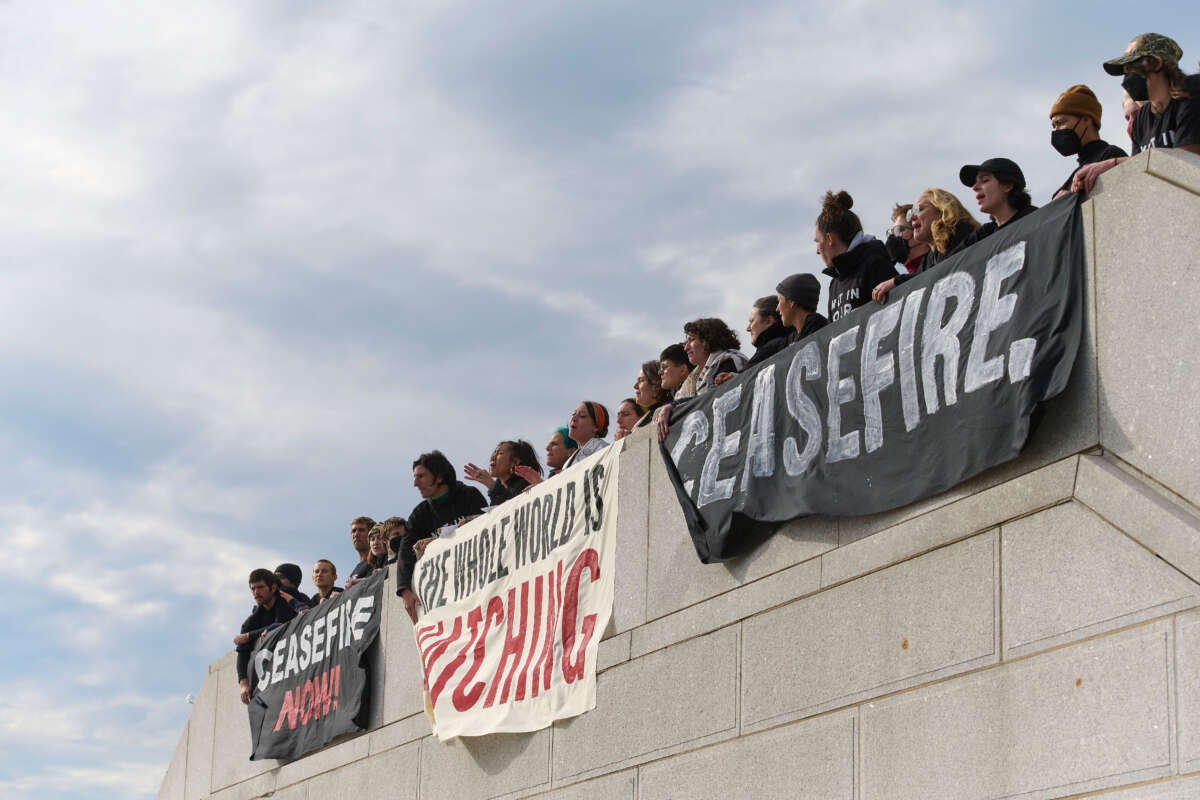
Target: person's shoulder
<point>1112,151</point>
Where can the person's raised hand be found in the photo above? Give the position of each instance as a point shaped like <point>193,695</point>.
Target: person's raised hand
<point>879,293</point>
<point>620,433</point>
<point>476,474</point>
<point>662,419</point>
<point>528,473</point>
<point>420,545</point>
<point>241,639</point>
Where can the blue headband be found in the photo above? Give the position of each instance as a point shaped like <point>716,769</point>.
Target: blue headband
<point>568,442</point>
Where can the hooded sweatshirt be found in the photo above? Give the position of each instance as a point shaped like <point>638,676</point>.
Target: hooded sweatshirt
<point>856,272</point>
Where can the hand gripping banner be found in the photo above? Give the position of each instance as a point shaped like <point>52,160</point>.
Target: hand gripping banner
<point>515,603</point>
<point>892,403</point>
<point>309,677</point>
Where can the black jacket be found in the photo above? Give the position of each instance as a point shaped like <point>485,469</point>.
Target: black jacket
<point>768,343</point>
<point>854,274</point>
<point>426,518</point>
<point>499,494</point>
<point>258,622</point>
<point>988,228</point>
<point>1090,153</point>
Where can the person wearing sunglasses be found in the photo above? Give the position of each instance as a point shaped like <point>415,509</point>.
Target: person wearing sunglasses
<point>1170,116</point>
<point>941,223</point>
<point>900,244</point>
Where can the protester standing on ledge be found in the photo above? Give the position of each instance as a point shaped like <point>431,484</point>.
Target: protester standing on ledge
<point>1170,116</point>
<point>447,501</point>
<point>289,577</point>
<point>713,349</point>
<point>628,413</point>
<point>588,427</point>
<point>796,298</point>
<point>999,187</point>
<point>360,531</point>
<point>559,451</point>
<point>678,375</point>
<point>855,262</point>
<point>1075,131</point>
<point>900,243</point>
<point>324,575</point>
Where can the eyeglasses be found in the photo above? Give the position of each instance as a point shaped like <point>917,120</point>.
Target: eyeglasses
<point>914,212</point>
<point>899,229</point>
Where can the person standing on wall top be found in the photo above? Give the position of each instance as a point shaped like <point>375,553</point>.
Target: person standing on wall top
<point>796,298</point>
<point>588,427</point>
<point>447,501</point>
<point>324,575</point>
<point>1170,116</point>
<point>855,262</point>
<point>502,479</point>
<point>289,577</point>
<point>1075,131</point>
<point>649,390</point>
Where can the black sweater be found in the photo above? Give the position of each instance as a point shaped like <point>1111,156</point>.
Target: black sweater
<point>854,274</point>
<point>499,493</point>
<point>768,343</point>
<point>426,518</point>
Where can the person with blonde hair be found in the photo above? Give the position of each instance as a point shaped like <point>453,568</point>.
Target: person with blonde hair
<point>940,221</point>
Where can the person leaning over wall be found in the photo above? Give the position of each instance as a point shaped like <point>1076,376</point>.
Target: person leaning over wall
<point>502,479</point>
<point>628,413</point>
<point>900,244</point>
<point>271,610</point>
<point>713,348</point>
<point>999,187</point>
<point>1075,131</point>
<point>1170,116</point>
<point>559,450</point>
<point>855,262</point>
<point>939,220</point>
<point>796,299</point>
<point>649,390</point>
<point>588,427</point>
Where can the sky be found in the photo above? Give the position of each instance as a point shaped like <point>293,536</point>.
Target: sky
<point>259,256</point>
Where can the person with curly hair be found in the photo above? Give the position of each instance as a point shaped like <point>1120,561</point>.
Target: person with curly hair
<point>940,221</point>
<point>713,348</point>
<point>855,262</point>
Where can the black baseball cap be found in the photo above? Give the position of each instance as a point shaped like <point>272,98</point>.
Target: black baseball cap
<point>1005,170</point>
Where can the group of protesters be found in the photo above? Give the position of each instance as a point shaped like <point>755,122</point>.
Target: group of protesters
<point>1162,110</point>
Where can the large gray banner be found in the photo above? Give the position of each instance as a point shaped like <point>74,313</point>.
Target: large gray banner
<point>893,402</point>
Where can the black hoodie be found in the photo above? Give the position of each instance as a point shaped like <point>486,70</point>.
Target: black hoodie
<point>426,518</point>
<point>855,273</point>
<point>768,343</point>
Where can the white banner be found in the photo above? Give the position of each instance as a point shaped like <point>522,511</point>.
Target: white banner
<point>515,603</point>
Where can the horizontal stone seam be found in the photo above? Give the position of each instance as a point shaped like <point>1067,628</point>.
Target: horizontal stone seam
<point>1125,786</point>
<point>1171,181</point>
<point>636,760</point>
<point>1165,492</point>
<point>1156,607</point>
<point>275,772</point>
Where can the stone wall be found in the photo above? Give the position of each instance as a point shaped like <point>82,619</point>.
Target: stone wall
<point>1034,632</point>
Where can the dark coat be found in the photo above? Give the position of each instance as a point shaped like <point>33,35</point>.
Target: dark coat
<point>768,343</point>
<point>426,518</point>
<point>854,274</point>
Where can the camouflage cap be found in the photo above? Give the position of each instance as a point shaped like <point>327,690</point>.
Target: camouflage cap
<point>1146,44</point>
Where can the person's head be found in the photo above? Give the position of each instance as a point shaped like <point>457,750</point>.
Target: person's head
<point>1150,66</point>
<point>360,528</point>
<point>393,528</point>
<point>763,314</point>
<point>589,421</point>
<point>674,367</point>
<point>377,541</point>
<point>705,336</point>
<point>628,413</point>
<point>935,217</point>
<point>900,226</point>
<point>796,297</point>
<point>1074,120</point>
<point>289,575</point>
<point>999,187</point>
<point>837,226</point>
<point>648,388</point>
<point>433,474</point>
<point>324,574</point>
<point>509,454</point>
<point>264,586</point>
<point>559,448</point>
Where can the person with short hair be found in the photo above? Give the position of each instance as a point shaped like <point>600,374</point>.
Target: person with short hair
<point>1075,131</point>
<point>649,390</point>
<point>678,375</point>
<point>628,413</point>
<point>940,221</point>
<point>796,298</point>
<point>394,528</point>
<point>289,577</point>
<point>502,479</point>
<point>901,246</point>
<point>999,187</point>
<point>855,262</point>
<point>360,531</point>
<point>270,611</point>
<point>712,347</point>
<point>588,426</point>
<point>324,575</point>
<point>1170,116</point>
<point>445,501</point>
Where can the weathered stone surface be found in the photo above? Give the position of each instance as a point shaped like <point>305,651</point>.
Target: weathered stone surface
<point>201,730</point>
<point>1163,524</point>
<point>1187,644</point>
<point>633,525</point>
<point>392,776</point>
<point>1068,574</point>
<point>403,695</point>
<point>708,615</point>
<point>811,759</point>
<point>258,786</point>
<point>1150,376</point>
<point>616,786</point>
<point>409,729</point>
<point>969,515</point>
<point>173,783</point>
<point>231,741</point>
<point>327,758</point>
<point>487,766</point>
<point>612,651</point>
<point>914,622</point>
<point>1176,166</point>
<point>683,696</point>
<point>1091,716</point>
<point>1177,789</point>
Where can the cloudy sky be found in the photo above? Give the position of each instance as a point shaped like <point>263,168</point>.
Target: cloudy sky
<point>258,256</point>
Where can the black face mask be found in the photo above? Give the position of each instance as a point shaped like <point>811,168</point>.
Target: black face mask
<point>897,248</point>
<point>1066,142</point>
<point>394,543</point>
<point>1136,86</point>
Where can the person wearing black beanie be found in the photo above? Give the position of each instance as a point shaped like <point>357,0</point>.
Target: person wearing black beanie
<point>289,576</point>
<point>797,297</point>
